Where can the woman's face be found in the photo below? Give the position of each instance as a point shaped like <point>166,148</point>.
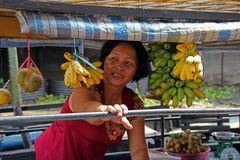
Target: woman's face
<point>120,65</point>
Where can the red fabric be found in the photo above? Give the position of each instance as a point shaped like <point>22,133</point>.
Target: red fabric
<point>79,140</point>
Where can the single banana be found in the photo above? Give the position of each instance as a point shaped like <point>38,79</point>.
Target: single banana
<point>200,67</point>
<point>97,74</point>
<point>167,100</point>
<point>200,74</point>
<point>183,72</point>
<point>180,94</point>
<point>188,73</point>
<point>190,59</point>
<point>197,59</point>
<point>178,56</point>
<point>90,81</point>
<point>95,78</point>
<point>97,63</point>
<point>99,70</point>
<point>188,91</point>
<point>68,56</point>
<point>166,95</point>
<point>67,76</point>
<point>85,72</point>
<point>65,65</point>
<point>173,91</point>
<point>178,67</point>
<point>73,74</point>
<point>79,68</point>
<point>198,93</point>
<point>192,84</point>
<point>189,100</point>
<point>175,101</point>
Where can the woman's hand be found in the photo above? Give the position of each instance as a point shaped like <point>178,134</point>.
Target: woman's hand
<point>119,110</point>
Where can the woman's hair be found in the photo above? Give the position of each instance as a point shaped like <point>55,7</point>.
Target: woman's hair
<point>142,56</point>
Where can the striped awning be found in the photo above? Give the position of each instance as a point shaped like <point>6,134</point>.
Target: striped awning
<point>125,28</point>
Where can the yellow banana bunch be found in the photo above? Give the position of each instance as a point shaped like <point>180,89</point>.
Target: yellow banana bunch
<point>76,74</point>
<point>177,73</point>
<point>189,64</point>
<point>95,74</point>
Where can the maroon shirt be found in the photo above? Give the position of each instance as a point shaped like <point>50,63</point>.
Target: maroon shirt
<point>78,139</point>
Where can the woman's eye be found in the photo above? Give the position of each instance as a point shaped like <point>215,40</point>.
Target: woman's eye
<point>128,63</point>
<point>113,59</point>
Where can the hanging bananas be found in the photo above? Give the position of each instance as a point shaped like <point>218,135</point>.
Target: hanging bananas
<point>189,63</point>
<point>76,75</point>
<point>177,73</point>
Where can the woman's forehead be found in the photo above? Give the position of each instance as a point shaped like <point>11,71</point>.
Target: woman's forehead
<point>124,49</point>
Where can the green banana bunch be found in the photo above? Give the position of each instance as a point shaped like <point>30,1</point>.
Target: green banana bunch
<point>177,72</point>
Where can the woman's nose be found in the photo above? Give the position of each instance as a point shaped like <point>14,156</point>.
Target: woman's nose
<point>120,65</point>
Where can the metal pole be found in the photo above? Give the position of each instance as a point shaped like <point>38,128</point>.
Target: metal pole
<point>26,120</point>
<point>15,90</point>
<point>162,126</point>
<point>222,71</point>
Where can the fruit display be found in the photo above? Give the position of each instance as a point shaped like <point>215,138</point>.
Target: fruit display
<point>5,96</point>
<point>76,74</point>
<point>30,79</point>
<point>177,73</point>
<point>185,142</point>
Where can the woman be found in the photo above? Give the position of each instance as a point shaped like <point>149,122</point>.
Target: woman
<point>89,139</point>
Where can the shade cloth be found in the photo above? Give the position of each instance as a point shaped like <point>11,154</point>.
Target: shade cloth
<point>125,28</point>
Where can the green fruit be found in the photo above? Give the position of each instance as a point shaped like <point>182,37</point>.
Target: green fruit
<point>161,52</point>
<point>156,61</point>
<point>179,84</point>
<point>24,75</point>
<point>175,101</point>
<point>173,91</point>
<point>21,77</point>
<point>171,63</point>
<point>180,94</point>
<point>166,77</point>
<point>159,81</point>
<point>35,83</point>
<point>151,81</point>
<point>162,62</point>
<point>167,100</point>
<point>164,85</point>
<point>167,69</point>
<point>154,47</point>
<point>166,95</point>
<point>152,86</point>
<point>173,54</point>
<point>191,84</point>
<point>189,101</point>
<point>161,71</point>
<point>166,46</point>
<point>171,82</point>
<point>158,92</point>
<point>167,55</point>
<point>188,91</point>
<point>154,76</point>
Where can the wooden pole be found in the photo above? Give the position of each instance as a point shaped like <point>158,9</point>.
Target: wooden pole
<point>15,90</point>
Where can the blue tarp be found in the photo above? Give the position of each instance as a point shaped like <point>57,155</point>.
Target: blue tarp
<point>125,28</point>
<point>16,141</point>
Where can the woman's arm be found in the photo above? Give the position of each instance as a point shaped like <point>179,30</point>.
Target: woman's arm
<point>85,100</point>
<point>136,140</point>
